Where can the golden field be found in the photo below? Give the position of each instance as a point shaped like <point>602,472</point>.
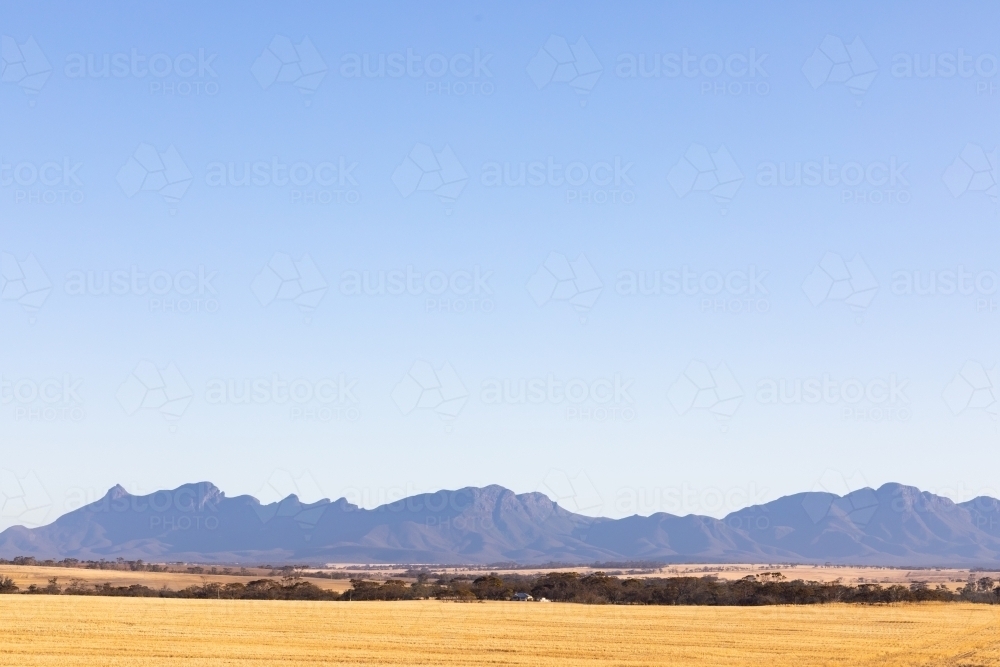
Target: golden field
<point>137,632</point>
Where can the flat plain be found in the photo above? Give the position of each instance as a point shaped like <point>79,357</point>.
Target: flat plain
<point>39,575</point>
<point>42,630</point>
<point>849,575</point>
<point>179,577</point>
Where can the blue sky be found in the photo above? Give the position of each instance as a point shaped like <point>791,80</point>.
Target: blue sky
<point>695,328</point>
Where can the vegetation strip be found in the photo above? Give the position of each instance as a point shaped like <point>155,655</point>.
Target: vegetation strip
<point>767,588</point>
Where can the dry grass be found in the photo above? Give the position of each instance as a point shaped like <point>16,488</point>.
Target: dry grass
<point>68,631</point>
<point>25,575</point>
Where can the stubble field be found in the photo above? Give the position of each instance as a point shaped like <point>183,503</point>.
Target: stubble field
<point>139,632</point>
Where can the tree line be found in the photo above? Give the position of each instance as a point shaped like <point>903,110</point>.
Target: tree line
<point>102,564</point>
<point>598,588</point>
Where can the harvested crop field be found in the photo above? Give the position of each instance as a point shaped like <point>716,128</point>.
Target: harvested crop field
<point>69,630</point>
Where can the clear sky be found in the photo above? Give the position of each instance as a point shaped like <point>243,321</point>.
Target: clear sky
<point>671,257</point>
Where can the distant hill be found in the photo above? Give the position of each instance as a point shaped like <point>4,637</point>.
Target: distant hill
<point>891,525</point>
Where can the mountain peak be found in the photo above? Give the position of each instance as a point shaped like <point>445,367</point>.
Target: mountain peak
<point>198,493</point>
<point>205,493</point>
<point>893,525</point>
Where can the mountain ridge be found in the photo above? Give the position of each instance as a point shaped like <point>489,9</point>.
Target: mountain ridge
<point>892,525</point>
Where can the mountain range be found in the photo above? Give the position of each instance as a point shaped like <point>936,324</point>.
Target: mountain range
<point>892,525</point>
